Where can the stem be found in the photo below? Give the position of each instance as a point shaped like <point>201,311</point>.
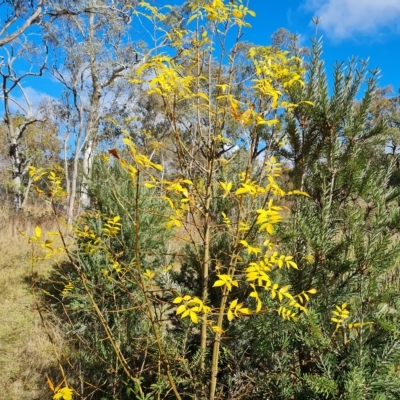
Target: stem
<point>233,260</point>
<point>148,303</point>
<point>206,266</point>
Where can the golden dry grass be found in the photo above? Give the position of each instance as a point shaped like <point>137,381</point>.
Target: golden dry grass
<point>26,354</point>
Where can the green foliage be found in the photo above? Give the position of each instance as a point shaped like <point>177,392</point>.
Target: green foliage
<point>106,258</point>
<point>321,385</point>
<point>351,230</point>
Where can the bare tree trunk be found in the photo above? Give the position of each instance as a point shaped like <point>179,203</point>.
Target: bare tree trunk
<point>93,123</point>
<point>91,67</point>
<point>87,164</point>
<point>72,193</point>
<point>18,163</point>
<point>16,175</point>
<point>27,189</point>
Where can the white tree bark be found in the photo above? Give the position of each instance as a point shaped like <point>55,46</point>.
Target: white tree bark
<point>16,128</point>
<point>92,52</point>
<point>13,22</point>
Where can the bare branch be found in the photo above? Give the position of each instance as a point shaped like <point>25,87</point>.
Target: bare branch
<point>18,104</point>
<point>22,128</point>
<point>32,19</point>
<point>115,74</point>
<point>7,25</point>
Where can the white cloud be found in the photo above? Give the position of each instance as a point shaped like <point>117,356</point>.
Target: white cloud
<point>35,97</point>
<point>342,19</point>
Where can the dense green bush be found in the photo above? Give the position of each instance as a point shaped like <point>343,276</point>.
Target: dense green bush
<point>107,263</point>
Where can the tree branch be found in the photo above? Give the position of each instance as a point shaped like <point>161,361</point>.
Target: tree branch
<point>32,19</point>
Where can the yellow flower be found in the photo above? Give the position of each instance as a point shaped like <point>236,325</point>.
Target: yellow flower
<point>64,394</point>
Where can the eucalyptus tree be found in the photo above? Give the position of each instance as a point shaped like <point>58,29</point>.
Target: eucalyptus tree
<point>92,50</point>
<point>15,19</point>
<point>386,107</point>
<point>23,56</point>
<point>40,148</point>
<point>393,120</point>
<point>15,100</point>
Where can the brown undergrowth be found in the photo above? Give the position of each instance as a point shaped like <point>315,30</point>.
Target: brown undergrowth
<point>26,353</point>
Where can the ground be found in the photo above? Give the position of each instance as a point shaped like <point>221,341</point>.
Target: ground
<point>26,353</point>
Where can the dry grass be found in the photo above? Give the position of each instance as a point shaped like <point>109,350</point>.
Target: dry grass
<point>26,354</point>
